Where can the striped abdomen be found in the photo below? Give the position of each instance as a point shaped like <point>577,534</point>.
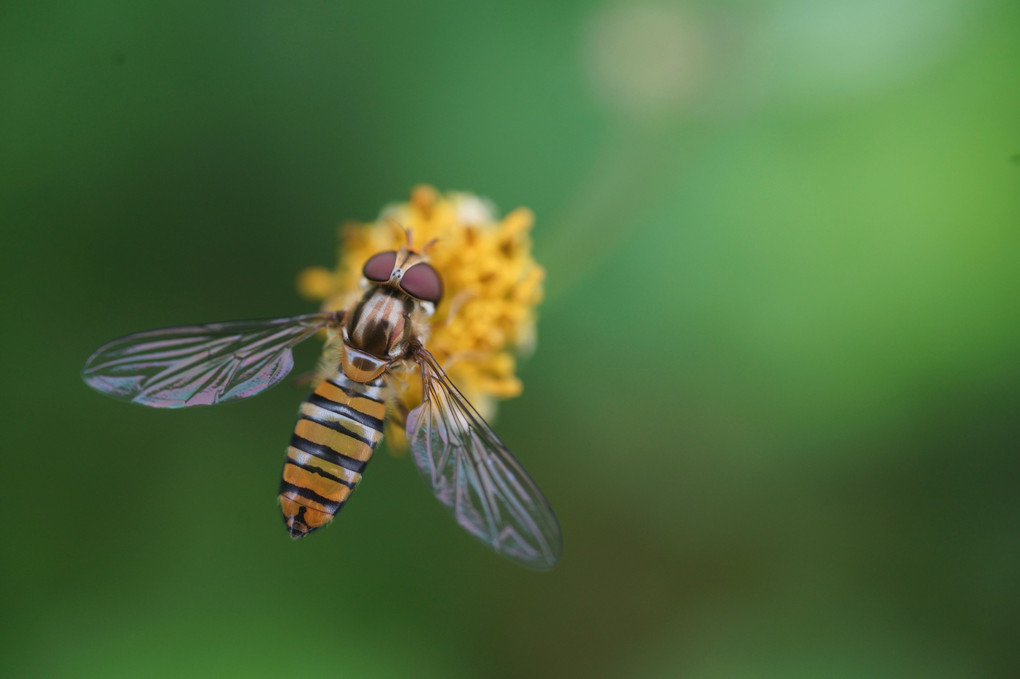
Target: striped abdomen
<point>337,430</point>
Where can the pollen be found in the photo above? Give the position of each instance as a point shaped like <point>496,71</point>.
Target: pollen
<point>492,286</point>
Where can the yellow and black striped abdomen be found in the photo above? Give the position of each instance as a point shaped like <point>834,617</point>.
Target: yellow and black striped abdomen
<point>338,428</point>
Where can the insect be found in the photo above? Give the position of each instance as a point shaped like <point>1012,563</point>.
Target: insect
<point>470,470</point>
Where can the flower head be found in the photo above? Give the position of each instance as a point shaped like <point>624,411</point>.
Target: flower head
<point>492,286</point>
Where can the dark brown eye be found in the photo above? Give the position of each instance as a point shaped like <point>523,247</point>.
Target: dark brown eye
<point>422,281</point>
<point>379,267</point>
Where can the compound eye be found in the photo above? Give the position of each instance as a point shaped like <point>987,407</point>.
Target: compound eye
<point>379,267</point>
<point>423,282</point>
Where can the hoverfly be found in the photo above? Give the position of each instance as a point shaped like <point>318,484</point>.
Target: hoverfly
<point>340,423</point>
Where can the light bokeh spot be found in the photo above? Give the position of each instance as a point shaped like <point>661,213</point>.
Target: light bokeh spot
<point>644,58</point>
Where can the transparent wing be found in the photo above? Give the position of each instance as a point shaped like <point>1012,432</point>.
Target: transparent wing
<point>473,474</point>
<point>200,364</point>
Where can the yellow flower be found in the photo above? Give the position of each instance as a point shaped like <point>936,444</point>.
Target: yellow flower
<point>492,285</point>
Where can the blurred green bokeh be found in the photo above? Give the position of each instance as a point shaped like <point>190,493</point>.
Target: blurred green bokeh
<point>774,401</point>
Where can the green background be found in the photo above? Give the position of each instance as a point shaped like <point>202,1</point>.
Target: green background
<point>774,401</point>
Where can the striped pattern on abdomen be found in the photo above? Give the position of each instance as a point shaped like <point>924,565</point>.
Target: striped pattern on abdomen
<point>338,427</point>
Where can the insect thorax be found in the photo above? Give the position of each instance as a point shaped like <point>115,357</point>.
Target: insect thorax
<point>385,321</point>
